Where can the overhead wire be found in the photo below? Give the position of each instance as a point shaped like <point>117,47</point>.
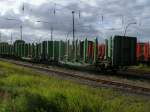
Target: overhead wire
<point>58,8</point>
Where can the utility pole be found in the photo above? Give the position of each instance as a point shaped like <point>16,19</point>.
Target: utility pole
<point>73,30</point>
<point>127,27</point>
<point>0,37</point>
<point>20,26</point>
<point>11,38</point>
<point>51,33</point>
<point>21,31</point>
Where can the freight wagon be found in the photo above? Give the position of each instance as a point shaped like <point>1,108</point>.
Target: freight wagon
<point>120,51</point>
<point>116,52</point>
<point>4,49</point>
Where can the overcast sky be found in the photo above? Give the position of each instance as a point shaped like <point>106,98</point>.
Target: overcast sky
<point>93,18</point>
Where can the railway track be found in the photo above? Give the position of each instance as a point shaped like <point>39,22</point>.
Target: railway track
<point>99,81</point>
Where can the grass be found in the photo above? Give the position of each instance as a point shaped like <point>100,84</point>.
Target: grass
<point>142,67</point>
<point>24,90</point>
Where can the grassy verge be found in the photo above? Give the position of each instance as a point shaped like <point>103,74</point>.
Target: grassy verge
<point>141,67</point>
<point>24,90</point>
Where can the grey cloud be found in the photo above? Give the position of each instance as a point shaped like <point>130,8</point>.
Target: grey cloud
<point>90,22</point>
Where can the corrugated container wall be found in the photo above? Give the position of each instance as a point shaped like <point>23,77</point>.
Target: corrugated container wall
<point>124,51</point>
<point>50,50</point>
